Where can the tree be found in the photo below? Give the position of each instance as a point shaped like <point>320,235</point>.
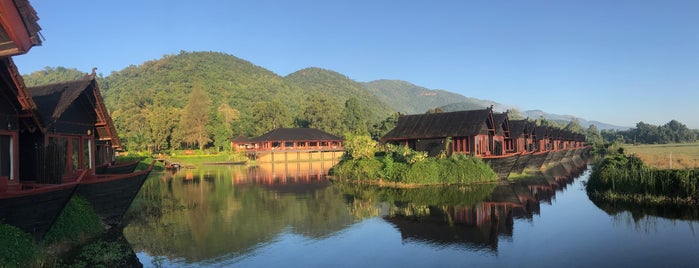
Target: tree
<point>435,110</point>
<point>360,146</point>
<point>269,115</point>
<point>320,113</point>
<point>195,117</point>
<point>574,126</point>
<point>593,136</point>
<point>514,114</point>
<point>161,121</point>
<point>354,117</point>
<point>380,129</point>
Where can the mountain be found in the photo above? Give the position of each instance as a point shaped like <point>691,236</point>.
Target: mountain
<point>535,114</point>
<point>338,88</point>
<point>408,98</point>
<point>149,101</point>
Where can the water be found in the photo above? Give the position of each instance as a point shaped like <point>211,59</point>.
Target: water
<point>290,215</point>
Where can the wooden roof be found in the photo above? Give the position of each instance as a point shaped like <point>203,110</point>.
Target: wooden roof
<point>54,99</point>
<point>296,134</point>
<point>440,125</point>
<point>502,123</point>
<point>519,127</point>
<point>19,30</point>
<point>15,93</point>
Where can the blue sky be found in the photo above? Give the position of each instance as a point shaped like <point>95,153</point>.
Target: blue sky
<point>619,62</point>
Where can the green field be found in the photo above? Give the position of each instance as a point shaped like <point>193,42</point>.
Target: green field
<point>677,156</point>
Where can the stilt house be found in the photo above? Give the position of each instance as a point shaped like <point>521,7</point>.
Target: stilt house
<point>472,132</point>
<point>76,124</point>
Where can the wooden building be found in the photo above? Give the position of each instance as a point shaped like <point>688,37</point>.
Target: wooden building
<point>290,139</point>
<point>522,135</point>
<point>76,123</point>
<point>471,132</point>
<point>19,30</point>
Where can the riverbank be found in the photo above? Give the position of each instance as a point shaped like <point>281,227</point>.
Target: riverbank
<point>405,168</point>
<point>622,178</point>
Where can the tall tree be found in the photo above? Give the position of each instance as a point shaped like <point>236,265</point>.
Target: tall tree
<point>320,113</point>
<point>220,126</point>
<point>354,117</point>
<point>195,117</point>
<point>161,120</point>
<point>269,115</point>
<point>514,114</point>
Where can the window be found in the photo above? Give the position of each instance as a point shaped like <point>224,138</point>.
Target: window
<point>75,153</point>
<point>87,153</point>
<point>6,159</point>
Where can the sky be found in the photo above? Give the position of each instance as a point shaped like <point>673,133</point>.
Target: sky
<point>619,62</point>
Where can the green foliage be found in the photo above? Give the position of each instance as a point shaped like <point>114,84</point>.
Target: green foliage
<point>407,98</point>
<point>270,115</point>
<point>672,132</point>
<point>195,118</point>
<point>18,249</point>
<point>354,117</point>
<point>77,221</point>
<point>360,146</point>
<point>102,254</point>
<point>149,102</point>
<point>627,175</point>
<point>402,165</point>
<point>51,75</point>
<point>466,195</point>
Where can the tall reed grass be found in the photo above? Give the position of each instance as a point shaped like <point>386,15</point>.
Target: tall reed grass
<point>627,175</point>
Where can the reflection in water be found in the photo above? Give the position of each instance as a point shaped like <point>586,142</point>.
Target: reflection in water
<point>474,217</point>
<point>290,215</point>
<point>211,213</point>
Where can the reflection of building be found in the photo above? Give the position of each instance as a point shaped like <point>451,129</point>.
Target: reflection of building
<point>291,144</point>
<point>481,225</point>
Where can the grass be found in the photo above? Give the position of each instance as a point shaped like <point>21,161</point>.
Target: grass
<point>667,156</point>
<point>18,249</point>
<point>627,178</point>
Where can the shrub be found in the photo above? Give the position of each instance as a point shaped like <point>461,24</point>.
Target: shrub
<point>18,249</point>
<point>360,146</point>
<point>77,221</point>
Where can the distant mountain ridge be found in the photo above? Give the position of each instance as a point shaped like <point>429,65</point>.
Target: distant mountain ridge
<point>132,92</point>
<point>408,98</point>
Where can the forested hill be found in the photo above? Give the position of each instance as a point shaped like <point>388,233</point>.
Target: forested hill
<point>199,99</point>
<point>202,99</point>
<point>408,98</point>
<point>318,83</point>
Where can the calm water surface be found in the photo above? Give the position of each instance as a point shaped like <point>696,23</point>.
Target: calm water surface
<point>290,215</point>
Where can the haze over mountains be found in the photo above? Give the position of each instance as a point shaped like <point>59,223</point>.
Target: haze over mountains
<point>240,84</point>
<point>408,98</point>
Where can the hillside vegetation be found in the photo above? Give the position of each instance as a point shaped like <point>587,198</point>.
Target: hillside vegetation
<point>202,99</point>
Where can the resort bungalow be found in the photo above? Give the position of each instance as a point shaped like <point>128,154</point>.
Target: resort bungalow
<point>475,132</point>
<point>471,132</point>
<point>291,140</point>
<point>24,204</point>
<point>79,138</point>
<point>76,123</point>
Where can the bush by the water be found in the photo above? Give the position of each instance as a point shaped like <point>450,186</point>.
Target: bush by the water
<point>18,249</point>
<point>621,175</point>
<point>403,165</point>
<point>77,221</point>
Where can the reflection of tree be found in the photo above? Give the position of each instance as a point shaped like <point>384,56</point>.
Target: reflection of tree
<point>209,216</point>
